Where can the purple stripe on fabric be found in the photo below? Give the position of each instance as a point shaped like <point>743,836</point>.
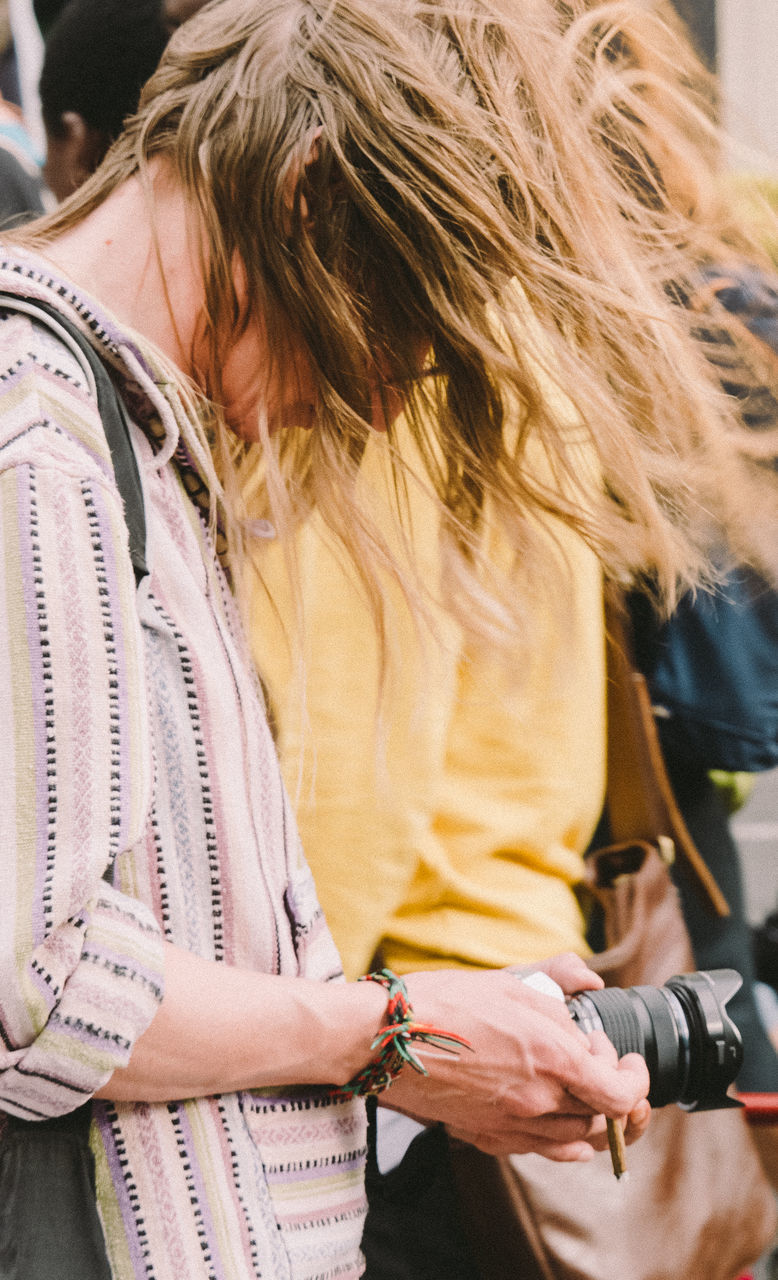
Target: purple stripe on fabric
<point>162,1191</point>
<point>87,1031</point>
<point>120,736</point>
<point>197,1182</point>
<point>214,826</point>
<point>176,753</point>
<point>101,458</point>
<point>119,339</point>
<point>232,1165</point>
<point>25,490</point>
<point>106,957</point>
<point>120,1173</point>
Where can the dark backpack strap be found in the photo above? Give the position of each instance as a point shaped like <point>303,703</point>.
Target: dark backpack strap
<point>115,424</point>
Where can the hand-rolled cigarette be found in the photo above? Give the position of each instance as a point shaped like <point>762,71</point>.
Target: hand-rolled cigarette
<point>617,1146</point>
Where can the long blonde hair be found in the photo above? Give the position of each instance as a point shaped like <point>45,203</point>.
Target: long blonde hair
<point>472,175</point>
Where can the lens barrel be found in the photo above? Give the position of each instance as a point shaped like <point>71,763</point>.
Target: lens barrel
<point>691,1046</point>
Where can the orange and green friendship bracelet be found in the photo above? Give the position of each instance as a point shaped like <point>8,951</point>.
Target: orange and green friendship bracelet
<point>393,1045</point>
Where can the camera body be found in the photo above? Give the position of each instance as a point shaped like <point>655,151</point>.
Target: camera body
<point>691,1046</point>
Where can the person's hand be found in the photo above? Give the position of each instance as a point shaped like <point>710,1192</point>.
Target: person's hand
<point>534,1081</point>
<point>568,970</point>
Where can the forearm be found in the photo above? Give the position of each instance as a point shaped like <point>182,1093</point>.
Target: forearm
<point>221,1029</point>
<point>531,1082</point>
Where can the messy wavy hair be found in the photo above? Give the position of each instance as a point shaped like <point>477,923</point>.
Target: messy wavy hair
<point>454,200</point>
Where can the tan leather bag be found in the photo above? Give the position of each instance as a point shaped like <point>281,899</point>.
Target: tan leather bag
<point>696,1204</point>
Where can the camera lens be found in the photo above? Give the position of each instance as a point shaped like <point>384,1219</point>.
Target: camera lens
<point>691,1046</point>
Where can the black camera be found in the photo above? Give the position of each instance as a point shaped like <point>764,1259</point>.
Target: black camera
<point>692,1047</point>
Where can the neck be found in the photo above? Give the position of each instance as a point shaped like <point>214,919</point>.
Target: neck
<point>152,286</point>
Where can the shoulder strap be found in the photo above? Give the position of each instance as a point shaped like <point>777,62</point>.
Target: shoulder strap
<point>641,803</point>
<point>115,424</point>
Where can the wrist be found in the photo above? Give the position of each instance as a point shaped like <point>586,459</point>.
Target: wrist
<point>396,1045</point>
<point>359,1018</point>
<point>329,1028</point>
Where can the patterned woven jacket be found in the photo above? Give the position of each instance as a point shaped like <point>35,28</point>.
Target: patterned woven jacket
<point>134,735</point>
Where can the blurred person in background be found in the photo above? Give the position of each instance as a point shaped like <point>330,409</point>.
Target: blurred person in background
<point>21,193</point>
<point>20,176</point>
<point>46,13</point>
<point>98,54</point>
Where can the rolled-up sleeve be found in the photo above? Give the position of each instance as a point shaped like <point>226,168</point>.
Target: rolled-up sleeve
<point>80,962</point>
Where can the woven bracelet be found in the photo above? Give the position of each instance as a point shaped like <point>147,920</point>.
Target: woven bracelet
<point>393,1044</point>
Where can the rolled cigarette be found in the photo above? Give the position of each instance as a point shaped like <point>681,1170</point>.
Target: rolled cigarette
<point>617,1147</point>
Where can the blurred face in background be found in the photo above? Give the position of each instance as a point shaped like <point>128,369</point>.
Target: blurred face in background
<point>98,54</point>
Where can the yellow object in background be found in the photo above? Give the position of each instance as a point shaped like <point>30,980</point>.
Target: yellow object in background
<point>734,788</point>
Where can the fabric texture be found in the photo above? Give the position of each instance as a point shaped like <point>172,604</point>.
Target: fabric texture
<point>445,822</point>
<point>135,733</point>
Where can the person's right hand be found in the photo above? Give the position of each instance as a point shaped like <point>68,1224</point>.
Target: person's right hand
<point>534,1081</point>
